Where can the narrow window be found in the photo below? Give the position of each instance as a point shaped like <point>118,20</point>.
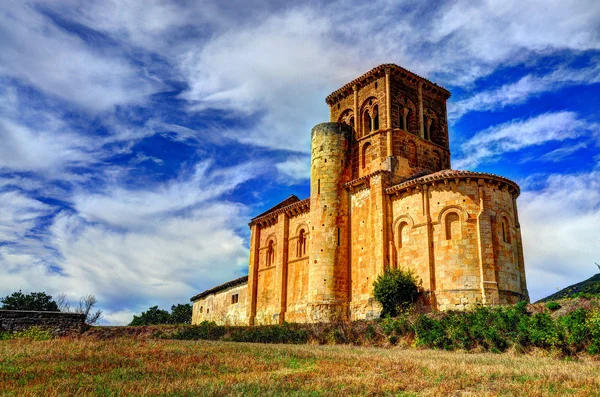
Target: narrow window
<point>367,123</point>
<point>301,245</point>
<point>366,152</point>
<point>402,234</point>
<point>201,309</point>
<point>318,186</point>
<point>452,226</point>
<point>338,236</point>
<point>270,254</point>
<point>234,299</point>
<point>505,230</point>
<point>375,118</point>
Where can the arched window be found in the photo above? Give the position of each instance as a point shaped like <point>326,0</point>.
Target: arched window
<point>375,118</point>
<point>366,123</point>
<point>366,155</point>
<point>270,253</point>
<point>412,154</point>
<point>505,230</point>
<point>402,234</point>
<point>301,245</point>
<point>452,226</point>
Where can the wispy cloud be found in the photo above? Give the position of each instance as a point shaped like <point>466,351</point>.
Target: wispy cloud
<point>515,135</point>
<point>522,90</point>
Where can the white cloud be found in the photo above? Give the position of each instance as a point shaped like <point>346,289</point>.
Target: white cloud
<point>561,153</point>
<point>295,169</point>
<point>561,231</point>
<point>515,135</point>
<point>19,214</point>
<point>522,90</point>
<point>36,51</point>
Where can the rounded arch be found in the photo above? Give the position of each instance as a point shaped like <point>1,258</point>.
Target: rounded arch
<point>347,117</point>
<point>505,226</point>
<point>301,226</point>
<point>369,111</point>
<point>401,226</point>
<point>452,219</point>
<point>366,154</point>
<point>431,125</point>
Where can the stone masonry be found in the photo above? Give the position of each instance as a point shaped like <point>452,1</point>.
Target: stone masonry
<point>382,195</point>
<point>58,323</point>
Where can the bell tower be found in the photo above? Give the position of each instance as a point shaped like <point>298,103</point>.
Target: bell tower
<point>399,122</point>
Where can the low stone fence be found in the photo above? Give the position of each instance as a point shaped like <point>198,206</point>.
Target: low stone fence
<point>58,323</point>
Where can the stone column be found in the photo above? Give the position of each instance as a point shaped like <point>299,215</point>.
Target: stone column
<point>520,257</point>
<point>430,252</point>
<point>388,112</point>
<point>253,272</point>
<point>357,120</point>
<point>284,265</point>
<point>487,266</point>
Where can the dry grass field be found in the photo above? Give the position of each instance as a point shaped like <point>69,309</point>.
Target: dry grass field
<point>136,366</point>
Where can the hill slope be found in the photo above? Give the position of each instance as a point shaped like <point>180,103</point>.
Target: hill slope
<point>589,286</point>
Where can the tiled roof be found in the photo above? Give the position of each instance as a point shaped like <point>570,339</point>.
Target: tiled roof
<point>330,98</point>
<point>221,287</point>
<point>449,174</point>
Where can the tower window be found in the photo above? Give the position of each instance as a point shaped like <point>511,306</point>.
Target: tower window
<point>375,118</point>
<point>505,230</point>
<point>234,299</point>
<point>366,155</point>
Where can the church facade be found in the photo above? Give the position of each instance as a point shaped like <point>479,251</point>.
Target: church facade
<point>382,195</point>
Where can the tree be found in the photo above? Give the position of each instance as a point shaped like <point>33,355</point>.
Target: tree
<point>86,304</point>
<point>153,316</point>
<point>181,314</point>
<point>39,301</point>
<point>396,290</point>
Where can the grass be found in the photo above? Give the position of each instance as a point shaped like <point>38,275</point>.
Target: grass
<point>144,366</point>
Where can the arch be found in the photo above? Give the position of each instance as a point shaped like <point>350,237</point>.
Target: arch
<point>505,228</point>
<point>347,117</point>
<point>431,125</point>
<point>301,244</point>
<point>366,154</point>
<point>412,153</point>
<point>452,226</point>
<point>401,226</point>
<point>370,116</point>
<point>367,122</point>
<point>407,115</point>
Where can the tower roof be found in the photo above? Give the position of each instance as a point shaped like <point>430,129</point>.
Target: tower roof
<point>379,71</point>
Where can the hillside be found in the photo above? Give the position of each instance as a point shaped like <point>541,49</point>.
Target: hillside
<point>589,286</point>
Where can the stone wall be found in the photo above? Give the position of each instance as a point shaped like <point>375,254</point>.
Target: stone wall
<point>223,307</point>
<point>58,323</point>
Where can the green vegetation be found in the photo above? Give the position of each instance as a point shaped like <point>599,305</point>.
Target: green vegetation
<point>38,301</point>
<point>553,306</point>
<point>31,333</point>
<point>586,289</point>
<point>180,314</point>
<point>396,290</point>
<point>496,329</point>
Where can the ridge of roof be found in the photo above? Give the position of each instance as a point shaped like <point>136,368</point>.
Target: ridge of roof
<point>290,200</point>
<point>330,97</point>
<point>221,287</point>
<point>446,174</point>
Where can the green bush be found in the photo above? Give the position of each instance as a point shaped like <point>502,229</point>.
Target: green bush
<point>396,290</point>
<point>552,306</point>
<point>32,333</point>
<point>205,331</point>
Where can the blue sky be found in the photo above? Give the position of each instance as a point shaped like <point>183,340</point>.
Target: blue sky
<point>137,138</point>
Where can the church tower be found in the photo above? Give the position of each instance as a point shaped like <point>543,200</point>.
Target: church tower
<point>399,121</point>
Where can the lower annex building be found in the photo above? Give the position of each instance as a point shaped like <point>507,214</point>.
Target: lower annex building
<point>382,194</point>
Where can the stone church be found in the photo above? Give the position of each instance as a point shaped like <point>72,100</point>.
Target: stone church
<point>382,195</point>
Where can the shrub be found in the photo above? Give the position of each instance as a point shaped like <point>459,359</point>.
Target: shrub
<point>552,306</point>
<point>396,290</point>
<point>39,301</point>
<point>32,333</point>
